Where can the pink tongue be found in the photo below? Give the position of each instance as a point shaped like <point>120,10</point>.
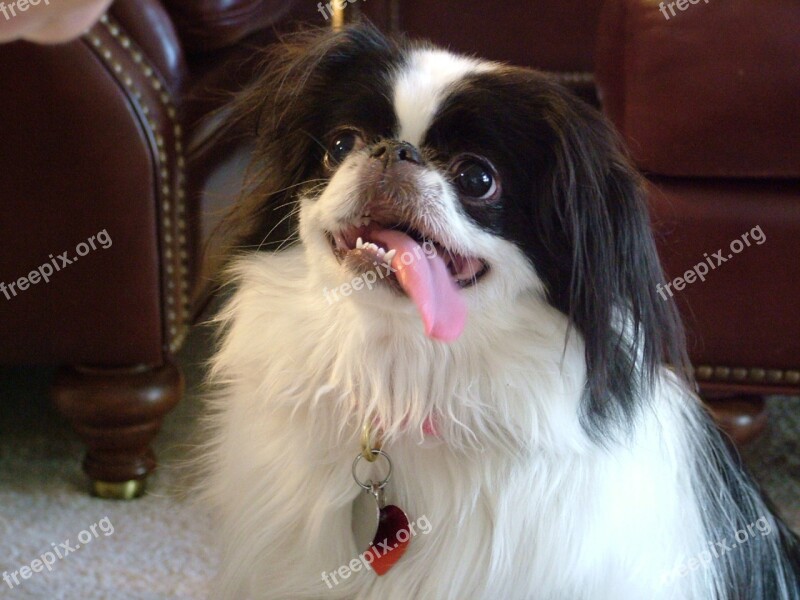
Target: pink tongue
<point>427,282</point>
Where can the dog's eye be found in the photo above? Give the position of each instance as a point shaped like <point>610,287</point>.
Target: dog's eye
<point>474,178</point>
<point>342,144</point>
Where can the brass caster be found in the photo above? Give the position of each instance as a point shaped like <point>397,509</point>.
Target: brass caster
<point>123,490</point>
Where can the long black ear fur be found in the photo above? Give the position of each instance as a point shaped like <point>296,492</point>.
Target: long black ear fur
<point>598,223</point>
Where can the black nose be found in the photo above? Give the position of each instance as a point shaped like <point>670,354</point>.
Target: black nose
<point>391,151</point>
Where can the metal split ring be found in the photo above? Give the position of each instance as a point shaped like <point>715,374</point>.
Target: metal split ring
<point>380,484</point>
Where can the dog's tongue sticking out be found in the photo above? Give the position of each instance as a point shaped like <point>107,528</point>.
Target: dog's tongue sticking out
<point>429,285</point>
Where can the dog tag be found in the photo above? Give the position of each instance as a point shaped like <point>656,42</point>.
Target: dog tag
<point>366,517</point>
<point>390,541</point>
<point>385,528</point>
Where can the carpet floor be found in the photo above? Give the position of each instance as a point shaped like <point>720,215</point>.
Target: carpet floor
<point>159,547</point>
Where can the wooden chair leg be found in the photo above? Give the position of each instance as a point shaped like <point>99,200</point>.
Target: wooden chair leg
<point>117,414</point>
<point>743,417</point>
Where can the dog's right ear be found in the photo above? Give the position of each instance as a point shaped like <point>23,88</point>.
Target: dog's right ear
<point>282,115</point>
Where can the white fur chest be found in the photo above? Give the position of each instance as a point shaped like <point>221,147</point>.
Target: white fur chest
<point>520,503</point>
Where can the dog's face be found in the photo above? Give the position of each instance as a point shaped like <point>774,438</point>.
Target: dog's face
<point>453,186</point>
<point>423,187</point>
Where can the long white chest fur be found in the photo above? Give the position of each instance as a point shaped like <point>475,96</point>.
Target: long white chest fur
<point>521,504</point>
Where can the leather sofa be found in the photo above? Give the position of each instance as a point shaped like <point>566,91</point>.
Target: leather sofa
<point>105,157</point>
<point>708,101</point>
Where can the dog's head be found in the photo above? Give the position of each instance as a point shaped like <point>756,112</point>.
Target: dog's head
<point>452,188</point>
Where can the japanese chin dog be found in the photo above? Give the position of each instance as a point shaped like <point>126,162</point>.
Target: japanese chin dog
<point>468,274</point>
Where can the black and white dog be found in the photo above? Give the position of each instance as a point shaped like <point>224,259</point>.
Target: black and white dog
<point>475,277</point>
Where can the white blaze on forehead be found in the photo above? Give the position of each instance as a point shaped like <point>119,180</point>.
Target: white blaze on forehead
<point>422,83</point>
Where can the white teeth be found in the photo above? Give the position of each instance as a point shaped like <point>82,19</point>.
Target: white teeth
<point>381,253</point>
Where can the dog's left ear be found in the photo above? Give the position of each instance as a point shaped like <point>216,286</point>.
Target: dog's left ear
<point>598,221</point>
<point>282,114</point>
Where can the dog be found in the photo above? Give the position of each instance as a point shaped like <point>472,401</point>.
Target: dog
<point>468,274</point>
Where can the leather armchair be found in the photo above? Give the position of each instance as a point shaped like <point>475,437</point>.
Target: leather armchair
<point>707,100</point>
<point>555,36</point>
<point>101,135</point>
<point>708,103</point>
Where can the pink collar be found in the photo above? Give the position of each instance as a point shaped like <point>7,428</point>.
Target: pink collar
<point>429,427</point>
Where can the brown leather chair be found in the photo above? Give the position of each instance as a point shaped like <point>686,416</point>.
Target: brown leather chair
<point>105,135</point>
<point>709,103</point>
<point>708,100</point>
<point>554,36</point>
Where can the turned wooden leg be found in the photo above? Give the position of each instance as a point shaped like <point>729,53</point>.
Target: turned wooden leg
<point>743,417</point>
<point>117,413</point>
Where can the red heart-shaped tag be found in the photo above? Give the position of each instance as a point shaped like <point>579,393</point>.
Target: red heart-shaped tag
<point>390,541</point>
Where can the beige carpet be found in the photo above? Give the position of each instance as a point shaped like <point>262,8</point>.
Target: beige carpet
<point>160,548</point>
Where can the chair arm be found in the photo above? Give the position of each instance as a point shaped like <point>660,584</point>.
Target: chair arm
<point>92,141</point>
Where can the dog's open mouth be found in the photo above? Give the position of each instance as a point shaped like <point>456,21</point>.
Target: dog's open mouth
<point>363,247</point>
<point>412,263</point>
